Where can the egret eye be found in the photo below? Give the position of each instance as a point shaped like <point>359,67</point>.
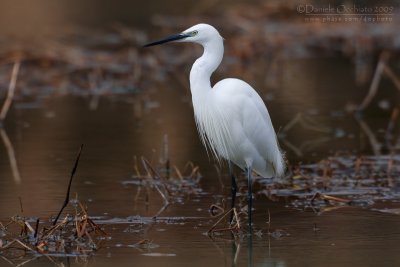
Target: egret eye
<point>194,33</point>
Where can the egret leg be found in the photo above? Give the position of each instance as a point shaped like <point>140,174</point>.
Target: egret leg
<point>249,198</point>
<point>233,188</point>
<point>250,251</point>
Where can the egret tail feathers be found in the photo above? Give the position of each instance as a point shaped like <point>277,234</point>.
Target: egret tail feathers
<point>273,168</point>
<point>279,165</point>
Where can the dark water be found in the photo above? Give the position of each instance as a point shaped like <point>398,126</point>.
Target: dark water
<point>45,140</point>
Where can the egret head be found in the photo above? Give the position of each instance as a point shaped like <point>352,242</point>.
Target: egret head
<point>200,33</point>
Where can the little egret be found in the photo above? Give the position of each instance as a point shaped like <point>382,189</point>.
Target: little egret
<point>231,118</point>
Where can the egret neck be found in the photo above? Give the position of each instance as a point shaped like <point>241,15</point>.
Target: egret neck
<point>204,66</point>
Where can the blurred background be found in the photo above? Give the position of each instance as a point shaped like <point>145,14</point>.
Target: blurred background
<point>45,16</point>
<point>328,72</point>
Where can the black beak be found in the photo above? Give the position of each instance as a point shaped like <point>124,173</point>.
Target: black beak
<point>169,39</point>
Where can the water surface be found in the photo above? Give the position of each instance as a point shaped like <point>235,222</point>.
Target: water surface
<point>45,138</point>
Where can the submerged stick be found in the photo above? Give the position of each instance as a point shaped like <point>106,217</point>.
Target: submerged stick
<point>373,89</point>
<point>389,72</point>
<point>11,90</point>
<point>66,201</point>
<point>153,174</point>
<point>20,204</point>
<point>18,242</point>
<point>166,156</point>
<point>328,197</point>
<point>36,228</point>
<point>220,219</point>
<point>11,155</point>
<point>231,228</point>
<point>375,144</point>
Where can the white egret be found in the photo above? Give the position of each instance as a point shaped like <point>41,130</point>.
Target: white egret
<point>231,118</point>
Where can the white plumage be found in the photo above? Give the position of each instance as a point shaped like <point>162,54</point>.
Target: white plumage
<point>231,117</point>
<point>235,124</point>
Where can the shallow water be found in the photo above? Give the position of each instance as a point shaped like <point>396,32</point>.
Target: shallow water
<point>45,140</point>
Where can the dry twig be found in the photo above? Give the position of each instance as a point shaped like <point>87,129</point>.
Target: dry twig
<point>11,90</point>
<point>66,201</point>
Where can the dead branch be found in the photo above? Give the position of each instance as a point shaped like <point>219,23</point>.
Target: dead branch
<point>11,90</point>
<point>66,201</point>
